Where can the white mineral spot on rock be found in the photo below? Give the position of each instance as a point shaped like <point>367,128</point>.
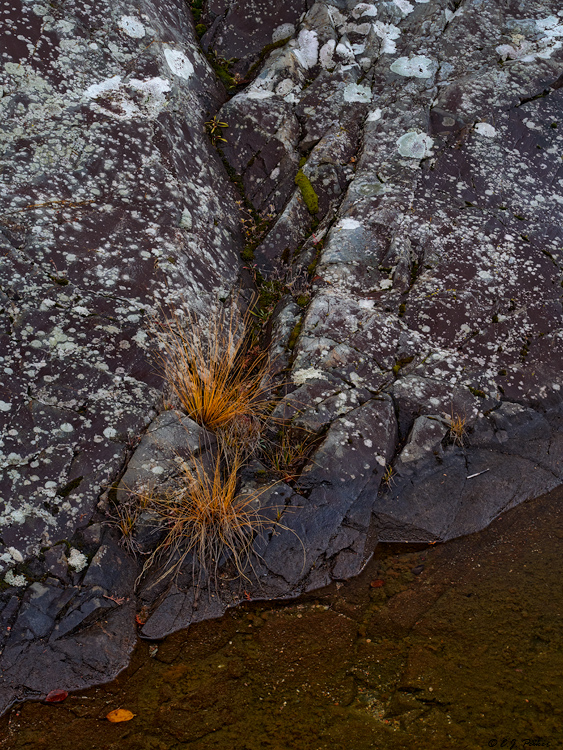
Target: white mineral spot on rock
<point>13,580</point>
<point>375,115</point>
<point>326,53</point>
<point>154,90</point>
<point>110,432</point>
<point>418,66</point>
<point>387,32</point>
<point>348,224</point>
<point>307,52</point>
<point>404,6</point>
<point>415,145</point>
<point>302,376</point>
<point>364,9</point>
<point>67,427</point>
<point>132,27</point>
<point>77,560</point>
<point>345,51</point>
<point>483,128</point>
<point>284,87</point>
<point>178,63</point>
<point>110,84</point>
<point>16,554</point>
<point>259,94</point>
<point>368,443</point>
<point>5,406</point>
<point>186,220</point>
<point>282,32</point>
<point>386,284</point>
<point>355,92</point>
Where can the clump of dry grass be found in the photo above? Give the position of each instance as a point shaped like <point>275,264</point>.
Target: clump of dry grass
<point>206,519</point>
<point>457,429</point>
<point>388,477</point>
<point>216,376</point>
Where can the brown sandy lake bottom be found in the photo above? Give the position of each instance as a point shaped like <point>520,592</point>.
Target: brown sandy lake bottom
<point>452,646</point>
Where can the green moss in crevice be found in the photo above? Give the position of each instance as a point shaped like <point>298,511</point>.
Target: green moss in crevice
<point>308,192</point>
<point>294,335</point>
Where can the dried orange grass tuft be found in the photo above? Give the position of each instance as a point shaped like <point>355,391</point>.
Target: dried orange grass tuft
<point>205,518</point>
<point>214,373</point>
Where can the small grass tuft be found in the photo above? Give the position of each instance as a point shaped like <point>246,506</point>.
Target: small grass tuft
<point>287,456</point>
<point>388,476</point>
<point>457,431</point>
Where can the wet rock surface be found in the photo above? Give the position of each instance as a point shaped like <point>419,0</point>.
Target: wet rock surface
<point>409,156</point>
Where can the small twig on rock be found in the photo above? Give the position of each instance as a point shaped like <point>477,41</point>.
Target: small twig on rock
<point>471,476</point>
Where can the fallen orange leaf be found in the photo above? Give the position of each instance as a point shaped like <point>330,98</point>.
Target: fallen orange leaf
<point>120,714</point>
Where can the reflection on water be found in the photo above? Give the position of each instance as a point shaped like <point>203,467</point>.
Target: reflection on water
<point>452,646</point>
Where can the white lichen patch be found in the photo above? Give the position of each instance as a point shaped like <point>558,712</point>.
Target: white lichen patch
<point>120,99</point>
<point>77,560</point>
<point>415,145</point>
<point>483,128</point>
<point>418,66</point>
<point>404,6</point>
<point>374,115</point>
<point>364,9</point>
<point>132,27</point>
<point>348,224</point>
<point>300,377</point>
<point>355,92</point>
<point>387,32</point>
<point>283,31</point>
<point>307,51</point>
<point>16,554</point>
<point>13,580</point>
<point>178,63</point>
<point>326,54</point>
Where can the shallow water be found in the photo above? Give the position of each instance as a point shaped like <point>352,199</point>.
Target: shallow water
<point>452,646</point>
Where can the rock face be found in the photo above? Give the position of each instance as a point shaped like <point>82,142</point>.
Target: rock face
<point>410,155</point>
<point>114,205</point>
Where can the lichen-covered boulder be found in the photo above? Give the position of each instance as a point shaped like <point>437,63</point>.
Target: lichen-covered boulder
<point>114,208</point>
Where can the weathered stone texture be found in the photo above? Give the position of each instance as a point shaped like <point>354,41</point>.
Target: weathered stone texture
<point>432,135</point>
<point>113,206</point>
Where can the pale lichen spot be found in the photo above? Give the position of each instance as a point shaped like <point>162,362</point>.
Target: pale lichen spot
<point>178,63</point>
<point>418,66</point>
<point>415,145</point>
<point>132,27</point>
<point>355,92</point>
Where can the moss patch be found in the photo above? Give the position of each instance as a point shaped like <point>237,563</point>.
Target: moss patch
<point>308,192</point>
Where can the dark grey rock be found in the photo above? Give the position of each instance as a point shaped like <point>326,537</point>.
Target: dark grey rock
<point>431,138</point>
